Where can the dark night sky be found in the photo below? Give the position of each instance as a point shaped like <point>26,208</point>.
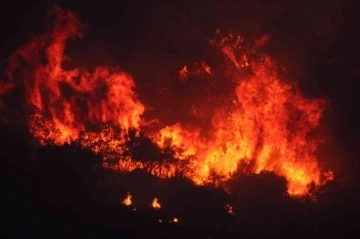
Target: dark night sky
<point>152,41</point>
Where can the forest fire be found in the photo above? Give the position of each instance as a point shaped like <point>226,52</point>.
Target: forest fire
<point>266,126</point>
<point>70,100</point>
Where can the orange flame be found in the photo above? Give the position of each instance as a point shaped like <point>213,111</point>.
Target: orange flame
<point>267,125</point>
<point>72,99</point>
<point>127,201</point>
<point>155,204</point>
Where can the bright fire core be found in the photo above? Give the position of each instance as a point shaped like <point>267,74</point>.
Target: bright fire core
<point>267,124</point>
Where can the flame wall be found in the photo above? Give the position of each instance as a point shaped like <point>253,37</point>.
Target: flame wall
<point>265,123</point>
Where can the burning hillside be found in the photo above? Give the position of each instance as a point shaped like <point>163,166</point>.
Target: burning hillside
<point>265,124</point>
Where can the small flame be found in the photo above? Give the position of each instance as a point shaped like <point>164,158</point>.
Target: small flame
<point>155,204</point>
<point>206,68</point>
<point>229,209</point>
<point>183,73</point>
<point>194,69</point>
<point>127,201</point>
<point>176,220</point>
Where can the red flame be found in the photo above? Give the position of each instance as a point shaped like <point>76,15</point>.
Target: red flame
<point>267,125</point>
<point>72,99</point>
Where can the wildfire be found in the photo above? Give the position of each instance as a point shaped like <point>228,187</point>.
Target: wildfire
<point>155,204</point>
<point>266,125</point>
<point>74,99</point>
<point>269,127</point>
<point>127,201</point>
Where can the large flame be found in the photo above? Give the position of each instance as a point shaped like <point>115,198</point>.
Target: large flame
<point>71,100</point>
<point>267,125</point>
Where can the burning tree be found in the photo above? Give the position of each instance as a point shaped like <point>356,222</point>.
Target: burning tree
<point>265,121</point>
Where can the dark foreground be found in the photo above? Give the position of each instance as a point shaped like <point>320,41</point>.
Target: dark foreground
<point>59,192</point>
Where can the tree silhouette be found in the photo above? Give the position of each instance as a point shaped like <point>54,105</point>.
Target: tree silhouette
<point>256,188</point>
<point>143,150</point>
<point>173,155</point>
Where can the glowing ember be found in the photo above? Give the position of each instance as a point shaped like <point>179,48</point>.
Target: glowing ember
<point>155,204</point>
<point>194,69</point>
<point>175,220</point>
<point>127,201</point>
<point>267,124</point>
<point>229,209</point>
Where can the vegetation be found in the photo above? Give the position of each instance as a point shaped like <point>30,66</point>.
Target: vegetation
<point>64,192</point>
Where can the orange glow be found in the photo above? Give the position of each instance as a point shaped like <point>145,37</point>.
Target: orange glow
<point>183,73</point>
<point>229,209</point>
<point>194,69</point>
<point>268,126</point>
<point>155,204</point>
<point>266,123</point>
<point>175,220</point>
<point>127,201</point>
<point>73,99</point>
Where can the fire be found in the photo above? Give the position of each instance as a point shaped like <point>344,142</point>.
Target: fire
<point>268,127</point>
<point>72,100</point>
<point>127,201</point>
<point>194,69</point>
<point>155,204</point>
<point>180,139</point>
<point>176,220</point>
<point>266,124</point>
<point>229,209</point>
<point>183,73</point>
